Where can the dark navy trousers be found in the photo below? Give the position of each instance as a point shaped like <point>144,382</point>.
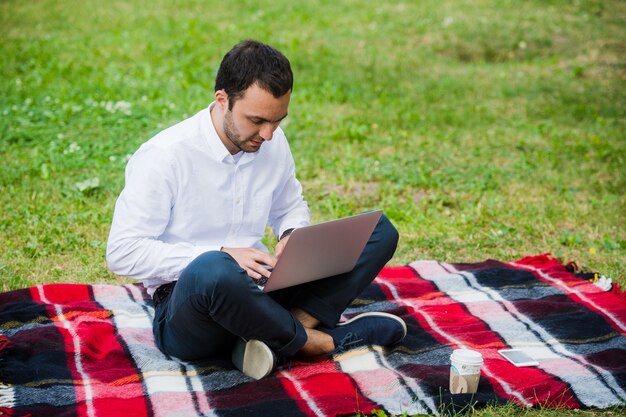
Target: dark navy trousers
<point>214,301</point>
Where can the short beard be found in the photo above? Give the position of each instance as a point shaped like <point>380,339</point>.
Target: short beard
<point>230,134</point>
<point>233,137</point>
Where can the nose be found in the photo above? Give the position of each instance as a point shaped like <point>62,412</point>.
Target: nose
<point>267,131</point>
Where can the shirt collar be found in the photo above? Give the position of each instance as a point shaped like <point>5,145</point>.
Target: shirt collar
<point>217,148</point>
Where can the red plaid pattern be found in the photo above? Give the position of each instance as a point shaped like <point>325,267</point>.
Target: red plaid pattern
<point>88,350</point>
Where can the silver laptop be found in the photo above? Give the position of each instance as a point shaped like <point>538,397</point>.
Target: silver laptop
<point>322,250</point>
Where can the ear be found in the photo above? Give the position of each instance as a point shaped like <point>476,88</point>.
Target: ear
<point>221,99</point>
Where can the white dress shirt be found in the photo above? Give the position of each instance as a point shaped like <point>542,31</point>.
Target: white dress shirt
<point>185,194</point>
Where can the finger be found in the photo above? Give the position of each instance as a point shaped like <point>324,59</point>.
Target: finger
<point>258,266</point>
<point>263,258</point>
<point>279,249</point>
<point>263,270</point>
<point>252,273</point>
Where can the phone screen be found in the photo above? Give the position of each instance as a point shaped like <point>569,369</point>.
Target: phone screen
<point>518,357</point>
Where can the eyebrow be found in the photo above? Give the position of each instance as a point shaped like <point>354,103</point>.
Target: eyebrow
<point>264,120</point>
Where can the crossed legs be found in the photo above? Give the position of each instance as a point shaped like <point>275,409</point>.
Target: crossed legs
<point>214,302</point>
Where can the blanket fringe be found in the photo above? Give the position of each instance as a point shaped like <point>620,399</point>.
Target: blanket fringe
<point>5,345</point>
<point>7,396</point>
<point>7,392</point>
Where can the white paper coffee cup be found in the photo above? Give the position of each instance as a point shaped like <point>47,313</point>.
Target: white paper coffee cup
<point>465,367</point>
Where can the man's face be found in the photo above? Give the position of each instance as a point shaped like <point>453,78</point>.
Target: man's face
<point>253,119</point>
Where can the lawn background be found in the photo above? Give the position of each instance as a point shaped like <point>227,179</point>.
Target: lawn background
<point>484,129</point>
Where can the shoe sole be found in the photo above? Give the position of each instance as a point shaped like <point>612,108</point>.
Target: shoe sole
<point>378,314</point>
<point>254,358</point>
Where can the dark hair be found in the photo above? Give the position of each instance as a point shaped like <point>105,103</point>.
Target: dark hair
<point>252,62</point>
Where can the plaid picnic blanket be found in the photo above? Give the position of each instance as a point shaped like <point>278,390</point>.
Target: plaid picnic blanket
<point>88,350</point>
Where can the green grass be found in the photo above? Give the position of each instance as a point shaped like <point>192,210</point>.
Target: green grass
<point>484,129</point>
<point>511,410</point>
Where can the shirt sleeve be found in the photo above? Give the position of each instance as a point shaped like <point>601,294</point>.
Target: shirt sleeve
<point>289,209</point>
<point>141,214</point>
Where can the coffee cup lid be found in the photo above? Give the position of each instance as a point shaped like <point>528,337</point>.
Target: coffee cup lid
<point>471,357</point>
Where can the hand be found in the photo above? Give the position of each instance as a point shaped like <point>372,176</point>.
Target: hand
<point>252,261</point>
<point>280,246</point>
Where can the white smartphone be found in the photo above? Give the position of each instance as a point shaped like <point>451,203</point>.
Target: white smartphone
<point>518,357</point>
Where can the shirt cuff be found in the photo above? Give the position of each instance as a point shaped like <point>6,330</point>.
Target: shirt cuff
<point>286,233</point>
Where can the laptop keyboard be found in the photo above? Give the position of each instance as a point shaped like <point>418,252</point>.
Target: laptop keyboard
<point>261,282</point>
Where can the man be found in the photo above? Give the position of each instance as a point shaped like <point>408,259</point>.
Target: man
<point>190,220</point>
